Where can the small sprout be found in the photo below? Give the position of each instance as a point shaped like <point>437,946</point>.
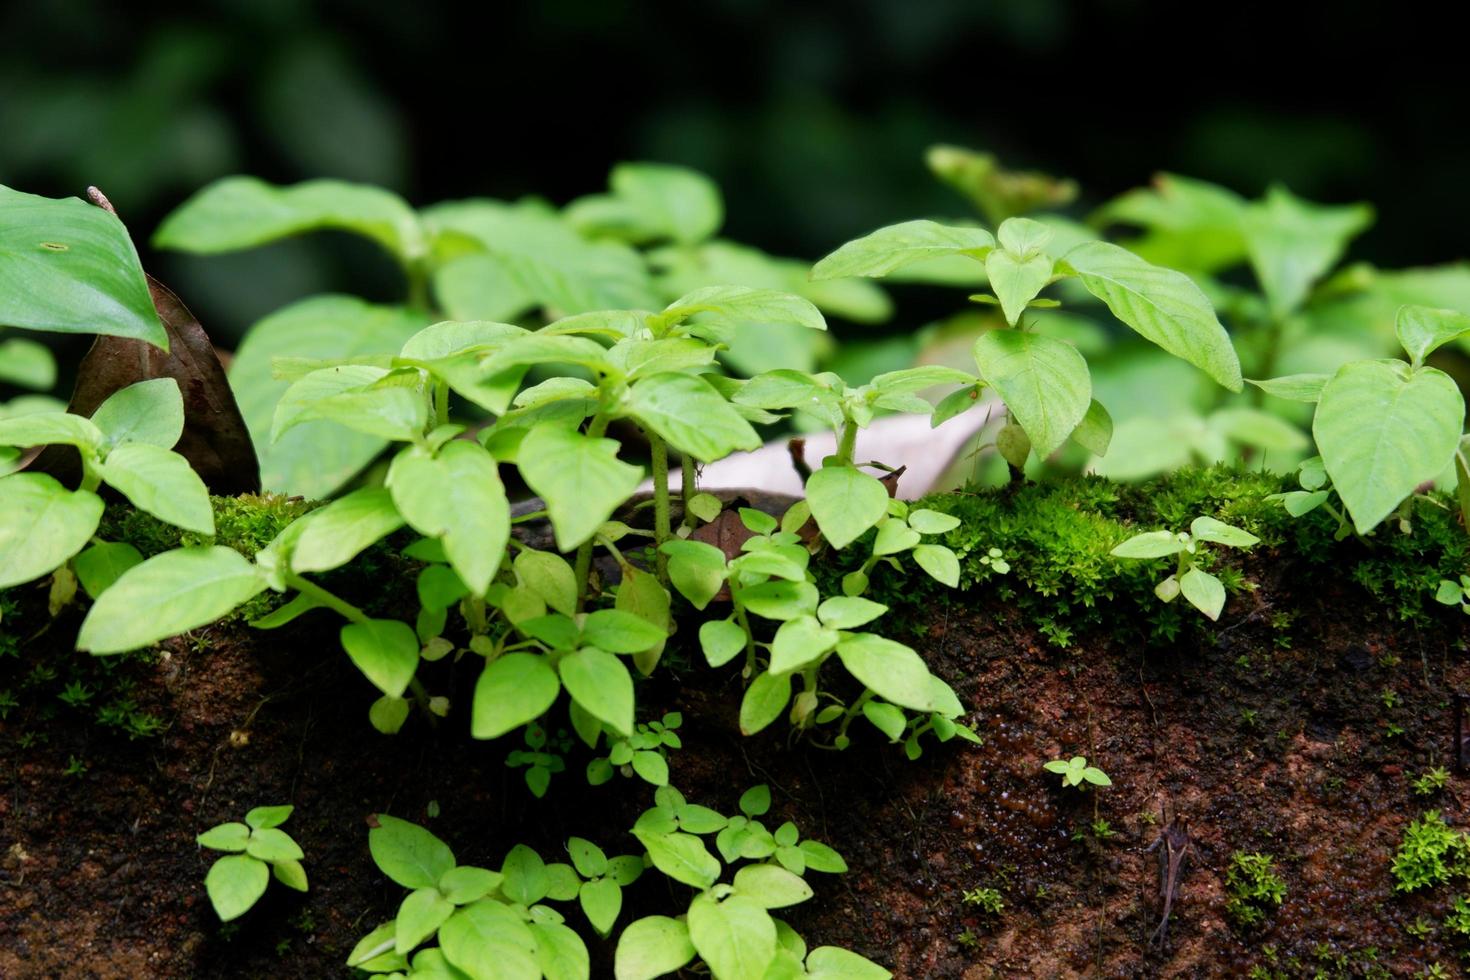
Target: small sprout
<point>988,900</point>
<point>1254,888</point>
<point>1431,781</point>
<point>256,850</point>
<point>1203,591</point>
<point>1075,771</point>
<point>1430,853</point>
<point>1455,593</point>
<point>995,558</point>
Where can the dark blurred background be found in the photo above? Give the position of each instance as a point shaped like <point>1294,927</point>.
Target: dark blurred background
<point>812,116</point>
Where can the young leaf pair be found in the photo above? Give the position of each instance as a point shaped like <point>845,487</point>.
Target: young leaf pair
<point>1201,589</point>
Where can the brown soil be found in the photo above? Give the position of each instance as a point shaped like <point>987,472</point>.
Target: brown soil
<point>1287,745</point>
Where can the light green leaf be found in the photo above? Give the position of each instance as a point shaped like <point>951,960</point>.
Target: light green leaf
<point>580,478</point>
<point>265,817</point>
<point>641,595</point>
<point>1263,430</point>
<point>1044,383</point>
<point>1095,432</point>
<point>735,937</point>
<point>658,200</point>
<point>820,857</point>
<point>100,565</point>
<point>419,916</point>
<point>1150,544</point>
<point>771,887</point>
<point>801,640</point>
<point>290,873</point>
<point>70,267</point>
<point>779,599</point>
<point>1209,529</point>
<point>27,364</point>
<point>235,883</point>
<point>489,941</point>
<point>242,212</point>
<point>1163,306</point>
<point>51,429</point>
<point>526,876</point>
<point>1294,387</point>
<point>764,701</point>
<point>160,482</point>
<point>333,535</point>
<point>371,400</point>
<point>315,458</point>
<point>166,595</point>
<point>512,691</point>
<point>466,883</point>
<point>849,612</point>
<point>1016,281</point>
<point>270,844</point>
<point>620,632</point>
<point>601,684</point>
<point>683,857</point>
<point>42,524</point>
<point>1203,591</point>
<point>1293,243</point>
<point>457,497</point>
<point>940,563</point>
<point>1422,330</point>
<point>719,310</point>
<point>386,714</point>
<point>601,902</point>
<point>722,640</point>
<point>887,249</point>
<point>408,853</point>
<point>1382,430</point>
<point>233,836</point>
<point>453,351</point>
<point>550,577</point>
<point>894,536</point>
<point>149,411</point>
<point>836,963</point>
<point>845,502</point>
<point>891,670</point>
<point>652,947</point>
<point>560,952</point>
<point>385,650</point>
<point>691,416</point>
<point>886,718</point>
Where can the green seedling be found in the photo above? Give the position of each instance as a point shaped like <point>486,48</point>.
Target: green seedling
<point>644,753</point>
<point>542,758</point>
<point>1201,589</point>
<point>257,850</point>
<point>1075,771</point>
<point>1253,887</point>
<point>988,900</point>
<point>1430,853</point>
<point>1453,593</point>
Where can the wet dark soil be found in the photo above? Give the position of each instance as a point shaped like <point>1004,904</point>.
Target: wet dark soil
<point>1292,728</point>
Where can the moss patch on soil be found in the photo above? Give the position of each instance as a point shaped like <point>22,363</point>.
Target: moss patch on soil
<point>1295,727</point>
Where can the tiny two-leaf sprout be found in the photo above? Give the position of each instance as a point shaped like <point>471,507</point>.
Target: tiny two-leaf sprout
<point>255,850</point>
<point>1075,771</point>
<point>1204,591</point>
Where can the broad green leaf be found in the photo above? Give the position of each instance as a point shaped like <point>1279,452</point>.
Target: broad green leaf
<point>387,715</point>
<point>481,287</point>
<point>290,873</point>
<point>525,876</point>
<point>242,212</point>
<point>51,429</point>
<point>652,947</point>
<point>640,358</point>
<point>658,200</point>
<point>600,683</point>
<point>580,478</point>
<point>270,844</point>
<point>1294,387</point>
<point>887,249</point>
<point>453,350</point>
<point>385,650</point>
<point>1293,243</point>
<point>457,497</point>
<point>891,670</point>
<point>168,594</point>
<point>1016,281</point>
<point>836,963</point>
<point>1383,429</point>
<point>233,836</point>
<point>801,640</point>
<point>886,718</point>
<point>683,857</point>
<point>764,700</point>
<point>27,364</point>
<point>70,267</point>
<point>719,310</point>
<point>408,853</point>
<point>465,884</point>
<point>932,521</point>
<point>849,612</point>
<point>894,537</point>
<point>722,640</point>
<point>1044,383</point>
<point>489,941</point>
<point>419,916</point>
<point>1193,225</point>
<point>1095,432</point>
<point>42,524</point>
<point>735,937</point>
<point>771,887</point>
<point>1263,430</point>
<point>315,458</point>
<point>371,400</point>
<point>1149,544</point>
<point>265,817</point>
<point>337,533</point>
<point>235,883</point>
<point>820,857</point>
<point>560,952</point>
<point>785,388</point>
<point>369,948</point>
<point>641,595</point>
<point>1209,529</point>
<point>160,482</point>
<point>100,565</point>
<point>546,348</point>
<point>149,411</point>
<point>941,563</point>
<point>620,632</point>
<point>550,577</point>
<point>845,502</point>
<point>779,599</point>
<point>1203,591</point>
<point>601,901</point>
<point>691,416</point>
<point>1422,330</point>
<point>1163,306</point>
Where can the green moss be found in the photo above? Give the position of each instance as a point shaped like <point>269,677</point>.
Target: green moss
<point>1254,888</point>
<point>246,523</point>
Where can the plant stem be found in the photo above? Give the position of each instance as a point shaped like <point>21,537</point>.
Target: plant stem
<point>418,285</point>
<point>661,530</point>
<point>583,569</point>
<point>688,489</point>
<point>848,443</point>
<point>744,622</point>
<point>441,403</point>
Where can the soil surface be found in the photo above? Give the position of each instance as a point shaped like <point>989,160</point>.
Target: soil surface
<point>1293,728</point>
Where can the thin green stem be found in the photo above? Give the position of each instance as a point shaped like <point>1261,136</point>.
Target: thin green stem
<point>744,622</point>
<point>688,490</point>
<point>441,403</point>
<point>848,443</point>
<point>661,529</point>
<point>417,273</point>
<point>583,569</point>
